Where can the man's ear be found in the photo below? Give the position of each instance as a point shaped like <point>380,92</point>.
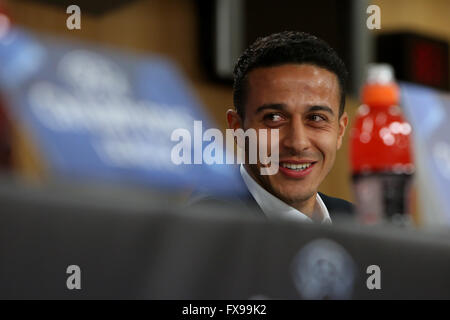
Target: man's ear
<point>234,120</point>
<point>343,122</point>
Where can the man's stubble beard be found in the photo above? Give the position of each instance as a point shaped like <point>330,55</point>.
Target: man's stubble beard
<point>293,201</point>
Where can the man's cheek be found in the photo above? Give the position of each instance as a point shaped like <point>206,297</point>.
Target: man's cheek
<point>330,150</point>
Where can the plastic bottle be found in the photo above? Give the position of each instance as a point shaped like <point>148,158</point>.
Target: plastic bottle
<point>381,155</point>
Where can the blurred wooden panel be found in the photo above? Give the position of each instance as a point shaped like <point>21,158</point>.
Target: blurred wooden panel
<point>27,159</point>
<point>425,16</point>
<point>92,7</point>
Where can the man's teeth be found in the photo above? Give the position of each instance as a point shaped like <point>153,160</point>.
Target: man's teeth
<point>297,167</point>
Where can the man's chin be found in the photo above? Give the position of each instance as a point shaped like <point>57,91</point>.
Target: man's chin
<point>294,196</point>
<point>286,189</point>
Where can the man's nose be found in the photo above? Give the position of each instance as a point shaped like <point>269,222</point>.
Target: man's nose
<point>296,137</point>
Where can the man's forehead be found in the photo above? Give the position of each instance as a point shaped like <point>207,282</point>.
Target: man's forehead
<point>293,81</point>
<point>300,73</point>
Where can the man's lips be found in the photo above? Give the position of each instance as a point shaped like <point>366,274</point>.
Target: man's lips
<point>294,161</point>
<point>296,168</point>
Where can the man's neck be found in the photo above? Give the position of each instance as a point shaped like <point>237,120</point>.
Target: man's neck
<point>308,206</point>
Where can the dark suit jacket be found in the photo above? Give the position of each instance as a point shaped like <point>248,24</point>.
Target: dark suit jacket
<point>338,208</point>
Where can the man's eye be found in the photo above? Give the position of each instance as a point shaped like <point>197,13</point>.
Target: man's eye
<point>317,118</point>
<point>273,117</point>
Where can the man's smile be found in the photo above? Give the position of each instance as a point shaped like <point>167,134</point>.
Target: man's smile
<point>296,168</point>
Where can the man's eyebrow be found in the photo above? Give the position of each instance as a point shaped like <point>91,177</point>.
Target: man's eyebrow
<point>282,107</point>
<point>276,106</point>
<point>321,108</point>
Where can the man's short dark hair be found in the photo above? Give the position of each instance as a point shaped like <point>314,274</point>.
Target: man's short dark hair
<point>284,48</point>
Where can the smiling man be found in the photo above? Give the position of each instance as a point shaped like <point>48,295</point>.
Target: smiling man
<point>293,82</point>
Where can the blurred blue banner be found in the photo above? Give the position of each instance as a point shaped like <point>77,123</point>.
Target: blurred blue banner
<point>429,113</point>
<point>99,113</point>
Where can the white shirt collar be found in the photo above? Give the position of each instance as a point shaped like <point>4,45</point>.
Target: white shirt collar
<point>275,208</point>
